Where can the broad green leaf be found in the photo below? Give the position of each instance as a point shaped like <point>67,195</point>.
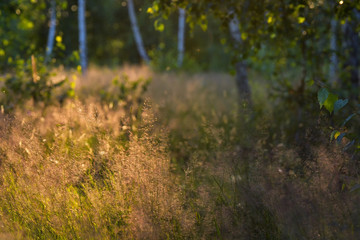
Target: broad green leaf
<point>330,102</point>
<point>339,104</point>
<point>322,96</point>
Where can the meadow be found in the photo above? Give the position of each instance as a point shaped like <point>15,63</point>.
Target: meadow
<point>137,154</point>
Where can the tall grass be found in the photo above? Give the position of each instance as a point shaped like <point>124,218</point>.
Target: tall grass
<point>188,162</point>
<point>70,174</point>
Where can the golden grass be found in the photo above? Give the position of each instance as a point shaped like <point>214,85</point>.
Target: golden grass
<point>185,163</point>
<point>66,175</point>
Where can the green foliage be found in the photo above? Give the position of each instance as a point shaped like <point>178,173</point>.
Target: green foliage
<point>167,61</point>
<point>30,81</point>
<point>342,129</point>
<point>124,93</point>
<point>322,96</point>
<point>339,104</point>
<point>106,23</point>
<point>330,102</point>
<point>20,22</point>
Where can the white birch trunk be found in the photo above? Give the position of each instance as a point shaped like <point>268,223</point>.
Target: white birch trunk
<point>240,67</point>
<point>181,37</point>
<point>52,28</point>
<point>136,31</point>
<point>82,35</point>
<point>234,29</point>
<point>333,49</point>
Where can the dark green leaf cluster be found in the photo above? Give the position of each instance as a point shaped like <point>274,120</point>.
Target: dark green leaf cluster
<point>344,130</point>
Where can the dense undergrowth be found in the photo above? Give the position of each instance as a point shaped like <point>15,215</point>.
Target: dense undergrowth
<point>177,158</point>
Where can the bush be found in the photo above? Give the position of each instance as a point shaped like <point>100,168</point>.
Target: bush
<point>30,81</point>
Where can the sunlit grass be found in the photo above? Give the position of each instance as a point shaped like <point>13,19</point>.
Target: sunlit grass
<point>185,160</point>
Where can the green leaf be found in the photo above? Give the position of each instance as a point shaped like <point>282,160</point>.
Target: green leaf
<point>330,102</point>
<point>310,82</point>
<point>322,96</point>
<point>159,26</point>
<point>301,20</point>
<point>334,134</point>
<point>340,137</point>
<point>203,22</point>
<point>150,10</point>
<point>339,104</point>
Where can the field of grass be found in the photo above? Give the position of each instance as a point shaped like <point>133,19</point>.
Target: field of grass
<point>177,157</point>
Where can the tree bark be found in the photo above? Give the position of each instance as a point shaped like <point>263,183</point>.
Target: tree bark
<point>136,31</point>
<point>333,49</point>
<point>242,81</point>
<point>82,35</point>
<point>240,67</point>
<point>181,37</point>
<point>52,28</point>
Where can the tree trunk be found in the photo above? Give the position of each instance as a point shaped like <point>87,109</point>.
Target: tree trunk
<point>82,35</point>
<point>352,48</point>
<point>333,49</point>
<point>136,31</point>
<point>51,34</point>
<point>181,37</point>
<point>242,81</point>
<point>240,67</point>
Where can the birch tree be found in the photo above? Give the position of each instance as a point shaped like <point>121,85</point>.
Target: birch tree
<point>181,37</point>
<point>240,67</point>
<point>82,35</point>
<point>333,49</point>
<point>52,28</point>
<point>136,32</point>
